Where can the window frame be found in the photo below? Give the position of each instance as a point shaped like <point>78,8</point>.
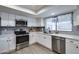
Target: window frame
<point>71,21</point>
<point>57,20</point>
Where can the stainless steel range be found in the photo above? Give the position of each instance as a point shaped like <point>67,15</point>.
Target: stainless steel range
<point>22,39</point>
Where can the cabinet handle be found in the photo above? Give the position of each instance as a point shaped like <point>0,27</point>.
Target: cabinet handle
<point>76,46</point>
<point>71,41</point>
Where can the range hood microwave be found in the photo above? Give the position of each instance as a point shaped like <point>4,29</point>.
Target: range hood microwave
<point>21,23</point>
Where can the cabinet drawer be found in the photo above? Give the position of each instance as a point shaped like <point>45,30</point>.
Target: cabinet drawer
<point>71,41</point>
<point>72,49</point>
<point>72,46</point>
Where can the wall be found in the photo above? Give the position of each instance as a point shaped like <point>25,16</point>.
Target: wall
<point>6,30</point>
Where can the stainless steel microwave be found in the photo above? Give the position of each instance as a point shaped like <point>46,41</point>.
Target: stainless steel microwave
<point>21,23</point>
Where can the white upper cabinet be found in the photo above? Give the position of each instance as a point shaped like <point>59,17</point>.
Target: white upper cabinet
<point>17,17</point>
<point>42,22</point>
<point>7,19</point>
<point>4,19</point>
<point>76,17</point>
<point>11,20</point>
<point>33,22</point>
<point>24,18</point>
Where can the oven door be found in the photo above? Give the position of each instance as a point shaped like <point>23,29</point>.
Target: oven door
<point>21,39</point>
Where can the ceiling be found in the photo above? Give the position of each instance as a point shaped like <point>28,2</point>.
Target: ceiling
<point>58,9</point>
<point>38,10</point>
<point>34,8</point>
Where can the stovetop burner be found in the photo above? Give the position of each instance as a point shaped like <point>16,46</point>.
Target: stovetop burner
<point>21,32</point>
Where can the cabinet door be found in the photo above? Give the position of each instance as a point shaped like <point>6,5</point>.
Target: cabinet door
<point>11,21</point>
<point>17,17</point>
<point>12,43</point>
<point>39,38</point>
<point>4,19</point>
<point>76,17</point>
<point>32,38</point>
<point>24,18</point>
<point>4,45</point>
<point>42,22</point>
<point>47,41</point>
<point>31,22</point>
<point>72,46</point>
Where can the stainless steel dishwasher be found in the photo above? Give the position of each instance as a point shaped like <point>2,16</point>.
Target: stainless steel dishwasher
<point>58,44</point>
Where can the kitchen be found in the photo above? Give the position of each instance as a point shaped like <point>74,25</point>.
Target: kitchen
<point>39,29</point>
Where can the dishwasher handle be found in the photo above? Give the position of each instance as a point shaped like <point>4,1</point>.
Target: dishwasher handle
<point>59,38</point>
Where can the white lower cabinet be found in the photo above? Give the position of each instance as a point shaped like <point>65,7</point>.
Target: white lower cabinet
<point>41,38</point>
<point>7,44</point>
<point>32,37</point>
<point>45,40</point>
<point>3,45</point>
<point>12,43</point>
<point>72,46</point>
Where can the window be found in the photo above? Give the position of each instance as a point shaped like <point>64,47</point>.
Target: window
<point>50,24</point>
<point>64,22</point>
<point>59,23</point>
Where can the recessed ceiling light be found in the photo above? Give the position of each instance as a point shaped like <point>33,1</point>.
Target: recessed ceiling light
<point>52,13</point>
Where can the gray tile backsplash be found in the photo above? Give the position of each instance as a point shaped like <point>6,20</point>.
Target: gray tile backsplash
<point>22,28</point>
<point>7,30</point>
<point>11,30</point>
<point>75,31</point>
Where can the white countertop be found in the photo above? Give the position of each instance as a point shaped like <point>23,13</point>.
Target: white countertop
<point>75,37</point>
<point>66,36</point>
<point>6,35</point>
